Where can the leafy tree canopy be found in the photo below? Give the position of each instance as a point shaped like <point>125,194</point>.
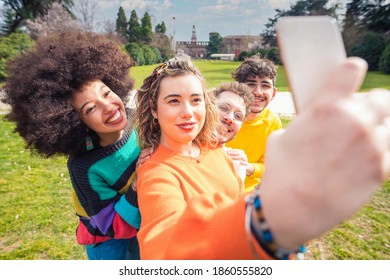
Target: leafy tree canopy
<point>134,31</point>
<point>215,43</point>
<point>365,15</point>
<point>18,11</point>
<point>121,23</point>
<point>146,29</point>
<point>161,28</point>
<point>300,8</point>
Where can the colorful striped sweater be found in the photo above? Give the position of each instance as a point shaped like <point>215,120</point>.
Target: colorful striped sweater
<point>106,205</point>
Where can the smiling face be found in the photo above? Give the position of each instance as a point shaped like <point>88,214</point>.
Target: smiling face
<point>101,110</point>
<point>263,90</point>
<point>181,111</point>
<point>231,110</point>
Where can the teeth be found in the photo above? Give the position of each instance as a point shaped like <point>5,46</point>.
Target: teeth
<point>115,117</point>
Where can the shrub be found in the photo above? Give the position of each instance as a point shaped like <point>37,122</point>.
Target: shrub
<point>149,55</point>
<point>370,49</point>
<point>271,54</point>
<point>243,55</point>
<point>384,61</point>
<point>157,52</point>
<point>136,53</point>
<point>11,46</point>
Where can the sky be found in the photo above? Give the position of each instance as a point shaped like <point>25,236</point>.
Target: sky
<point>227,17</point>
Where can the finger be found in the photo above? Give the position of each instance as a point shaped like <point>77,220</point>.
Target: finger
<point>144,158</point>
<point>382,136</point>
<point>386,164</point>
<point>371,108</point>
<point>146,152</point>
<point>346,79</point>
<point>379,102</point>
<point>141,161</point>
<point>275,135</point>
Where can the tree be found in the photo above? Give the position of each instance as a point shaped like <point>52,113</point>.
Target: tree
<point>146,29</point>
<point>352,25</point>
<point>164,44</point>
<point>379,17</point>
<point>362,16</point>
<point>384,62</point>
<point>121,23</point>
<point>86,10</point>
<point>370,49</point>
<point>56,19</point>
<point>18,11</point>
<point>134,31</point>
<point>149,55</point>
<point>11,46</point>
<point>8,21</point>
<point>215,43</point>
<point>160,28</point>
<point>136,53</point>
<point>108,29</point>
<point>300,8</point>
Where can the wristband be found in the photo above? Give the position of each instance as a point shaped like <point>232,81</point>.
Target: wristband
<point>256,225</point>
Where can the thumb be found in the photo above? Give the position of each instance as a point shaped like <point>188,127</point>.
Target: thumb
<point>346,79</point>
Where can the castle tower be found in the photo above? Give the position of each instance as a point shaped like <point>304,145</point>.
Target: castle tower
<point>193,37</point>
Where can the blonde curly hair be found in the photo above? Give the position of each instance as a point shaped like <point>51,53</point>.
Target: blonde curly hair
<point>149,132</point>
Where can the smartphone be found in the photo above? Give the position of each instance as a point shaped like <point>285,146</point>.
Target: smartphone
<point>311,47</point>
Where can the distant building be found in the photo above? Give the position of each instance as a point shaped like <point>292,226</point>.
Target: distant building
<point>194,48</point>
<point>231,45</point>
<point>238,43</point>
<point>223,56</point>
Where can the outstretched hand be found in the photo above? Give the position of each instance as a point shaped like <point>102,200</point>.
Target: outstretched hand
<point>238,155</point>
<point>329,161</point>
<point>144,156</point>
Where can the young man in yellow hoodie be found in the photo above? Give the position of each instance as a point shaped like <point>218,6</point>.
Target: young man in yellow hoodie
<point>259,74</point>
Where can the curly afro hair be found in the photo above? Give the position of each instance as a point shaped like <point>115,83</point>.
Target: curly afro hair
<point>41,83</point>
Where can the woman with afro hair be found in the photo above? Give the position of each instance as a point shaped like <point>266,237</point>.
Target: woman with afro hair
<point>67,96</point>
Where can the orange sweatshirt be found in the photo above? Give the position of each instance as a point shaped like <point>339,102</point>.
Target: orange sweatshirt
<point>191,208</point>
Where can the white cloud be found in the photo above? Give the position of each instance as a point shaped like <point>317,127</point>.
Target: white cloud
<point>227,9</point>
<point>166,4</point>
<point>107,4</point>
<point>279,4</point>
<point>144,4</point>
<point>135,4</point>
<point>234,2</point>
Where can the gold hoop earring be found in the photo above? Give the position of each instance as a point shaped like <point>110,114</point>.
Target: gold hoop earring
<point>155,121</point>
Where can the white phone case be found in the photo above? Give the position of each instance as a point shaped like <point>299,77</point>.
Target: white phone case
<point>311,47</point>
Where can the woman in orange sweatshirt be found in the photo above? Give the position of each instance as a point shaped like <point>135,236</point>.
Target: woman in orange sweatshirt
<point>191,198</point>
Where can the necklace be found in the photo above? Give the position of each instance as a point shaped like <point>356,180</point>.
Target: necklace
<point>194,153</point>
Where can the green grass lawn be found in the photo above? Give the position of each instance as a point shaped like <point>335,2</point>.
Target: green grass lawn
<point>38,220</point>
<point>37,216</point>
<point>220,71</point>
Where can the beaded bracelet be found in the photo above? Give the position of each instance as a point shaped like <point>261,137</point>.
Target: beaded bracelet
<point>256,224</point>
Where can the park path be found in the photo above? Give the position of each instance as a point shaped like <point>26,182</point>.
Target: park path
<point>3,107</point>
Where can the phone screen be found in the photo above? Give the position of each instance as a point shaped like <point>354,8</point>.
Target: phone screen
<point>311,47</point>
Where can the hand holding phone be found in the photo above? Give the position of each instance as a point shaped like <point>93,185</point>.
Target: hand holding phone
<point>311,47</point>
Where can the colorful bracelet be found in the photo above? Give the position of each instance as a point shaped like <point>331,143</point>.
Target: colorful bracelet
<point>256,224</point>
